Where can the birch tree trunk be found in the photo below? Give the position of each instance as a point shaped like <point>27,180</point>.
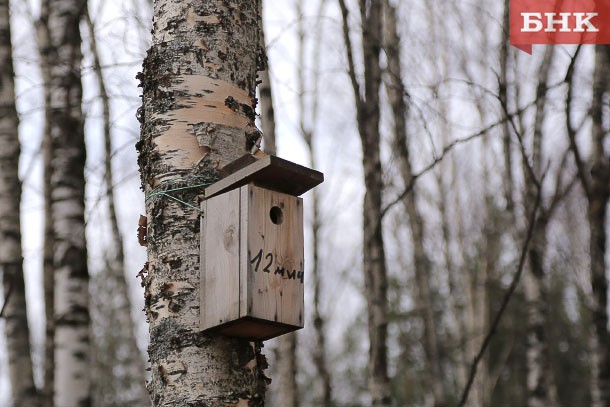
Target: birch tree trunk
<point>11,259</point>
<point>198,81</point>
<point>540,386</point>
<point>72,350</point>
<point>373,252</point>
<point>43,41</point>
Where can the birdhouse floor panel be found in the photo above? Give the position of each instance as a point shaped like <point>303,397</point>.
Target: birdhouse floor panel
<point>254,329</point>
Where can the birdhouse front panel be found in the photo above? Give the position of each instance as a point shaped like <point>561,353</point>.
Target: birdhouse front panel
<point>275,256</point>
<point>252,263</point>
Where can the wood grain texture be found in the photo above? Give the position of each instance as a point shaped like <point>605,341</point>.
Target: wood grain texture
<point>220,274</point>
<point>276,292</point>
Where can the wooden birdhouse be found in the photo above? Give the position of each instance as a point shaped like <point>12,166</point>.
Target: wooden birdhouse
<point>252,260</point>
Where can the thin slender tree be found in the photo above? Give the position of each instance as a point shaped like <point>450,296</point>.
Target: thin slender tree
<point>43,40</point>
<point>126,372</point>
<point>594,176</point>
<point>366,96</point>
<point>422,265</point>
<point>540,385</point>
<point>308,118</point>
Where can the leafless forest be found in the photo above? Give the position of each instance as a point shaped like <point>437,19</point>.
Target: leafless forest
<point>456,253</point>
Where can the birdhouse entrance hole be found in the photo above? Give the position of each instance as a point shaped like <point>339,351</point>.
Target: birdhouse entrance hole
<point>276,215</point>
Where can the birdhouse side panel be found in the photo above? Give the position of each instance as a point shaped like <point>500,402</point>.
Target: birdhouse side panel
<point>220,251</point>
<point>275,277</point>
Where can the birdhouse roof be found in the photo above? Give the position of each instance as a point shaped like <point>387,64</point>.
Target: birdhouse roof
<point>269,172</point>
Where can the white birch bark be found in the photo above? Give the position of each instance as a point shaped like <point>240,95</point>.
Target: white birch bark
<point>540,385</point>
<point>72,350</point>
<point>198,80</point>
<point>11,260</point>
<point>43,41</point>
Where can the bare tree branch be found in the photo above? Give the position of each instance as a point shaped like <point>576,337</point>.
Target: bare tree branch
<point>350,54</point>
<point>505,300</point>
<point>438,159</point>
<point>580,166</point>
<point>7,298</point>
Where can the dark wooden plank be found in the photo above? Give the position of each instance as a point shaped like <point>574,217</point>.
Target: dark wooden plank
<point>269,172</point>
<point>237,165</point>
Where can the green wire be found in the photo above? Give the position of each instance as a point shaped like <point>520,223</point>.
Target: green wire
<point>178,200</point>
<point>166,192</point>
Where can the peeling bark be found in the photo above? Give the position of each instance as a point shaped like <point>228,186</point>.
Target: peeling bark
<point>11,258</point>
<point>72,350</point>
<point>198,81</point>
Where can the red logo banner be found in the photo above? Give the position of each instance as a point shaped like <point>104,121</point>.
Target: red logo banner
<point>559,22</point>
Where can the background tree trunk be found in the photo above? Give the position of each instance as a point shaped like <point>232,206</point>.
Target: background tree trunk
<point>287,393</point>
<point>44,41</point>
<point>11,260</point>
<point>126,373</point>
<point>421,262</point>
<point>599,194</point>
<point>198,80</point>
<point>266,97</point>
<point>308,118</point>
<point>373,251</point>
<point>540,386</point>
<point>72,350</point>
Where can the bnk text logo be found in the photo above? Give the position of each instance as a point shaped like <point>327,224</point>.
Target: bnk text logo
<point>559,22</point>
